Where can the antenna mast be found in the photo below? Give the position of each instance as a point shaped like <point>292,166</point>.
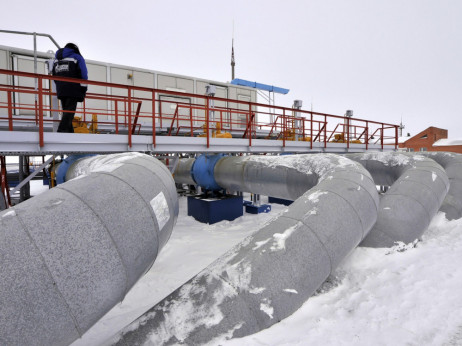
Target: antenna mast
<point>401,127</point>
<point>233,63</point>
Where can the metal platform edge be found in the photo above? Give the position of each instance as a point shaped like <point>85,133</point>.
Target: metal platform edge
<point>27,143</point>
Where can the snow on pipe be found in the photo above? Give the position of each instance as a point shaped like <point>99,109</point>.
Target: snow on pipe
<point>273,272</point>
<point>452,163</point>
<point>70,254</point>
<point>418,188</point>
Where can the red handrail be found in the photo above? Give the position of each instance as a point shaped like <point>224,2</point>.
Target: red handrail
<point>284,119</point>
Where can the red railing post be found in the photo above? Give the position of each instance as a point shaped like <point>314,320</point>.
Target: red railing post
<point>116,110</point>
<point>40,115</point>
<point>130,117</point>
<point>173,121</point>
<point>191,120</point>
<point>178,116</point>
<point>84,111</point>
<point>381,137</point>
<point>284,125</point>
<point>325,131</point>
<point>367,135</point>
<point>311,132</point>
<point>10,112</point>
<point>207,121</point>
<point>154,118</point>
<point>249,124</point>
<point>125,113</point>
<point>348,133</point>
<point>396,137</point>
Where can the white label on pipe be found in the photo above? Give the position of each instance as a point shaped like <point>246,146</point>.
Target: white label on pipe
<point>160,206</point>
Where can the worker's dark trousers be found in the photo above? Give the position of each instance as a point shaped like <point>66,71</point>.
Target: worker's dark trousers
<point>69,106</point>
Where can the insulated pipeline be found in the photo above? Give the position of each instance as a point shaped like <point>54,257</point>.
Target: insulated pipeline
<point>183,172</point>
<point>418,186</point>
<point>452,163</point>
<point>273,272</point>
<point>70,254</point>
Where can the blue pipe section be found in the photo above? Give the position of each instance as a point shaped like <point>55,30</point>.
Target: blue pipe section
<point>64,166</point>
<point>202,171</point>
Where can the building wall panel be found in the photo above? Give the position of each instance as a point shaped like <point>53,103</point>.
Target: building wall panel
<point>93,105</point>
<point>126,75</point>
<point>3,78</point>
<point>26,101</point>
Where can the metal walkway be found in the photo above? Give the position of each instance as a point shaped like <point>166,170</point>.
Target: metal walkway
<point>28,143</point>
<point>131,118</point>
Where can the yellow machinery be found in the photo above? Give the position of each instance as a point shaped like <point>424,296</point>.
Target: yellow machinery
<point>289,135</point>
<point>217,133</point>
<point>82,126</point>
<point>340,138</point>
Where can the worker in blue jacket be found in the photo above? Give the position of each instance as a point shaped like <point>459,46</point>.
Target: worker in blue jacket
<point>69,63</point>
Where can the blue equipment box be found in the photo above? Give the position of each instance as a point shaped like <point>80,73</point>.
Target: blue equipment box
<point>215,209</point>
<point>253,209</point>
<point>280,200</point>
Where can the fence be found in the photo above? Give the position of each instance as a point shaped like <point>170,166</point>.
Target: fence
<point>152,112</point>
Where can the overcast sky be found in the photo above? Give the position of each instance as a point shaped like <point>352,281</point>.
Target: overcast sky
<point>383,59</point>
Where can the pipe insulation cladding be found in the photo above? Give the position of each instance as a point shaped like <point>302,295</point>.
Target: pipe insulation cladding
<point>452,164</point>
<point>72,253</point>
<point>274,271</point>
<point>418,186</point>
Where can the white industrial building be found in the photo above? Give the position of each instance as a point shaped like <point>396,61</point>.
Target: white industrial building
<point>18,59</point>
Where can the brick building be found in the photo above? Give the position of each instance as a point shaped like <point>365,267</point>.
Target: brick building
<point>431,139</point>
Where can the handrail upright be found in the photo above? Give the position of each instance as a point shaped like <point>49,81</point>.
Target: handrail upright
<point>173,120</point>
<point>207,121</point>
<point>367,135</point>
<point>153,104</point>
<point>191,120</point>
<point>130,117</point>
<point>348,133</point>
<point>311,132</point>
<point>10,112</point>
<point>381,137</point>
<point>116,111</point>
<point>284,128</point>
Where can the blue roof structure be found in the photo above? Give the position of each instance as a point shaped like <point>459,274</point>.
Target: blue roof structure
<point>260,86</point>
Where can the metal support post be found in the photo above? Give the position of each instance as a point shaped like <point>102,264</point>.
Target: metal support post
<point>256,199</point>
<point>5,200</point>
<point>297,105</point>
<point>210,91</point>
<point>32,175</point>
<point>23,187</point>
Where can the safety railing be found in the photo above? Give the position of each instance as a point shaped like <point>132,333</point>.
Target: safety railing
<point>153,112</point>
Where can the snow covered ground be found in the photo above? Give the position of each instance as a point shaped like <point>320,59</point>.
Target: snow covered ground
<point>408,295</point>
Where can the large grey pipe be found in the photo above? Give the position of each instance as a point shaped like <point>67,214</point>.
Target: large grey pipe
<point>452,163</point>
<point>70,254</point>
<point>418,186</point>
<point>273,272</point>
